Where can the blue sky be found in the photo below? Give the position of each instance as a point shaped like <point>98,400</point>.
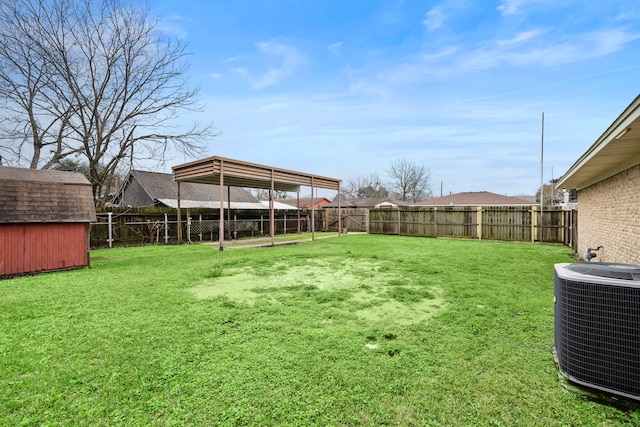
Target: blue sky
<point>344,88</point>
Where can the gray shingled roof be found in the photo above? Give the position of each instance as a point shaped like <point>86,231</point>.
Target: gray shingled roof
<point>474,198</point>
<point>304,202</point>
<point>31,195</point>
<point>365,202</point>
<point>162,186</point>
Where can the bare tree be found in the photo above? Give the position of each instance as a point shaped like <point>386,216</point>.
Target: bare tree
<point>95,80</point>
<point>552,196</point>
<point>263,194</point>
<point>365,186</point>
<point>409,181</point>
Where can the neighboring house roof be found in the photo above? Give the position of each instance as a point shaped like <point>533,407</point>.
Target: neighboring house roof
<point>161,188</point>
<point>368,202</point>
<point>474,198</point>
<point>305,202</point>
<point>143,188</point>
<point>616,150</point>
<point>31,195</point>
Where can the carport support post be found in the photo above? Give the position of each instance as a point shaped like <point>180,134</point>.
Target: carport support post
<point>339,213</point>
<point>179,217</point>
<point>272,220</point>
<point>298,206</point>
<point>229,211</point>
<point>313,211</point>
<point>221,225</point>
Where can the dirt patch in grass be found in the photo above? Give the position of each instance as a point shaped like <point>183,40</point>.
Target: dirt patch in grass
<point>371,290</point>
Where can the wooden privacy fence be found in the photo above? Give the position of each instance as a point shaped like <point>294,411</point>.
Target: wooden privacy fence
<point>509,223</point>
<point>138,226</point>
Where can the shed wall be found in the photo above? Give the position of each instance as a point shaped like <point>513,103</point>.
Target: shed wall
<point>38,247</point>
<point>608,213</point>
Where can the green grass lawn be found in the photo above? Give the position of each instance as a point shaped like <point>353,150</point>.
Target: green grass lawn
<point>351,330</point>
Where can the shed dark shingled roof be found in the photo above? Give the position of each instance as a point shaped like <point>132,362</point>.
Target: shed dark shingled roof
<point>31,195</point>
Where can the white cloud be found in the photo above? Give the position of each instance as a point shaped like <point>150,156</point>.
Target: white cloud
<point>631,14</point>
<point>283,60</point>
<point>511,7</point>
<point>582,47</point>
<point>368,89</point>
<point>174,25</point>
<point>515,7</point>
<point>335,49</point>
<point>520,37</point>
<point>532,47</point>
<point>434,18</point>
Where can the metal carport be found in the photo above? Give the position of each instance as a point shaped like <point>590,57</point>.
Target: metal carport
<point>236,173</point>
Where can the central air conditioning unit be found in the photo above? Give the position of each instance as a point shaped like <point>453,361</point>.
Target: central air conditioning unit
<point>597,326</point>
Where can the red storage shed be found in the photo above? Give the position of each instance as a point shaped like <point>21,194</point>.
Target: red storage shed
<point>44,220</point>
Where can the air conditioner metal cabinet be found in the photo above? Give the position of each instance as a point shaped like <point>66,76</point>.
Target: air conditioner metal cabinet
<point>597,326</point>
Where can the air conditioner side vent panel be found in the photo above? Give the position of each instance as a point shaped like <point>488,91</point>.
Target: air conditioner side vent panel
<point>597,330</point>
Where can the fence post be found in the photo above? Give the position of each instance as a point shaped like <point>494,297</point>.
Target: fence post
<point>534,223</point>
<point>200,223</point>
<point>166,229</point>
<point>435,221</point>
<point>479,221</point>
<point>110,239</point>
<point>367,217</point>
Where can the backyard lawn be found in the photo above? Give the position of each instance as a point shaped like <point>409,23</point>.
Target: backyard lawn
<point>352,330</point>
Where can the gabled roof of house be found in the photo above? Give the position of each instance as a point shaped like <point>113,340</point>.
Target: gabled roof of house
<point>162,186</point>
<point>474,198</point>
<point>31,195</point>
<point>616,150</point>
<point>304,202</point>
<point>366,202</point>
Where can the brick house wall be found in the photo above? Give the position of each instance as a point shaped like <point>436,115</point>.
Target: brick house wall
<point>609,215</point>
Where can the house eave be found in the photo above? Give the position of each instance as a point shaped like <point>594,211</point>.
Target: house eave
<point>617,149</point>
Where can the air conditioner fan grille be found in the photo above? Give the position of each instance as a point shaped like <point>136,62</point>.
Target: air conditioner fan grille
<point>598,335</point>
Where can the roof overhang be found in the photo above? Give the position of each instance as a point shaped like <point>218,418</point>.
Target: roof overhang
<point>205,204</point>
<point>617,149</point>
<point>236,173</point>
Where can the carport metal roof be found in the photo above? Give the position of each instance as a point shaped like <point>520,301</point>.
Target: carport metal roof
<point>236,173</point>
<point>617,149</point>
